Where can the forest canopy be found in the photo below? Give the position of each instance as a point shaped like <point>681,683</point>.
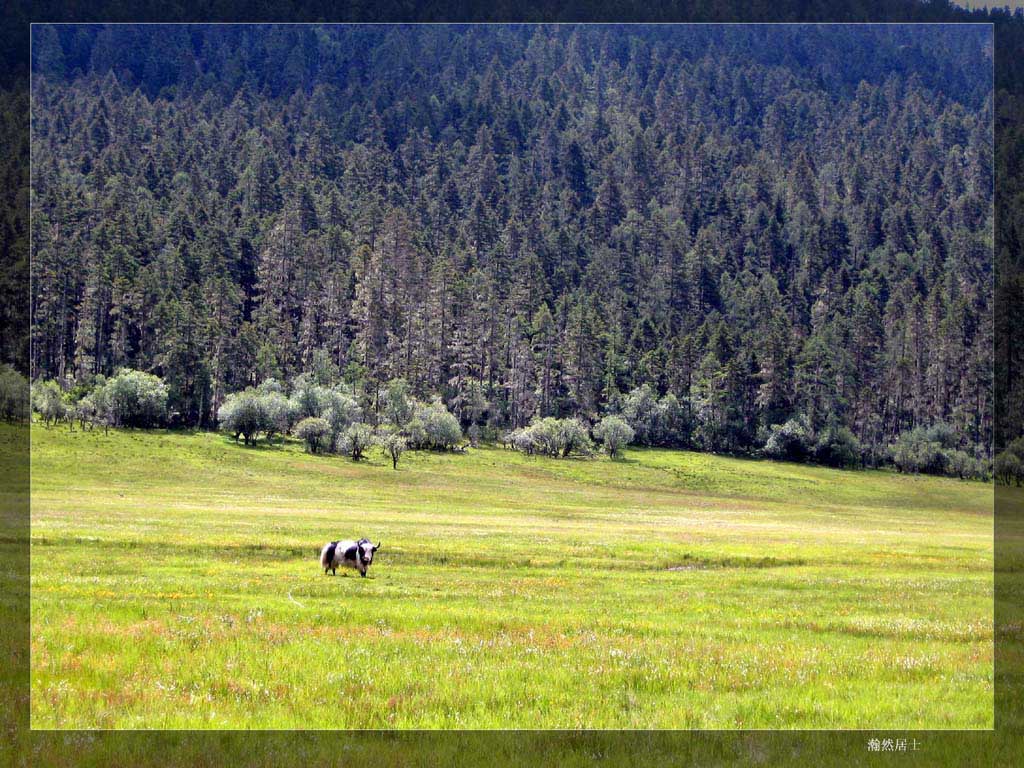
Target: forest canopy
<point>775,233</point>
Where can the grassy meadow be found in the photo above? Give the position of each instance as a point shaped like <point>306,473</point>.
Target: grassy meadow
<point>175,584</point>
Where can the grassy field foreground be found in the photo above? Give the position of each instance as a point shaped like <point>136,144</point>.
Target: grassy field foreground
<point>175,585</point>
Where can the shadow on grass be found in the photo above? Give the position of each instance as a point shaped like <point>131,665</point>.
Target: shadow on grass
<point>277,444</point>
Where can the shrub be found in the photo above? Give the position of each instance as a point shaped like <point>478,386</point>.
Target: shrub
<point>469,402</point>
<point>48,400</point>
<point>640,411</point>
<point>434,427</point>
<point>242,414</point>
<point>613,433</point>
<point>14,395</point>
<point>1016,447</point>
<point>1008,468</point>
<point>545,436</point>
<point>278,413</point>
<point>490,432</point>
<point>342,411</point>
<point>573,437</point>
<point>354,440</point>
<point>522,440</point>
<point>790,441</point>
<point>314,431</point>
<point>933,450</point>
<point>654,421</point>
<point>551,437</point>
<point>335,404</point>
<point>837,446</point>
<point>915,451</point>
<point>672,423</point>
<point>395,403</point>
<point>307,399</point>
<point>135,399</point>
<point>963,465</point>
<point>310,398</point>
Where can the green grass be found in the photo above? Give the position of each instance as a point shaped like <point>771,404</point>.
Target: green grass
<point>175,584</point>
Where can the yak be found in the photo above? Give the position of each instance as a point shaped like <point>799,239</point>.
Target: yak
<point>348,554</point>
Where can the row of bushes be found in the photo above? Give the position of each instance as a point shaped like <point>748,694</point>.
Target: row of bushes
<point>354,441</point>
<point>933,450</point>
<point>794,440</point>
<point>929,450</point>
<point>431,427</point>
<point>1008,466</point>
<point>330,418</point>
<point>666,421</point>
<point>645,419</point>
<point>565,437</point>
<point>129,399</point>
<point>655,421</point>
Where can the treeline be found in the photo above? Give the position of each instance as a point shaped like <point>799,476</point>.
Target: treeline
<point>782,237</point>
<point>331,417</point>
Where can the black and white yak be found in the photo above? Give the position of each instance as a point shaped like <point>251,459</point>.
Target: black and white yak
<point>348,554</point>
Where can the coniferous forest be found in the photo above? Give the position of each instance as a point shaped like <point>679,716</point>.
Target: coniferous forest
<point>780,230</point>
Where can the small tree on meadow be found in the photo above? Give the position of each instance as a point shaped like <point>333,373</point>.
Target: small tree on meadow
<point>308,397</point>
<point>314,431</point>
<point>268,386</point>
<point>242,414</point>
<point>48,400</point>
<point>305,398</point>
<point>355,440</point>
<point>640,411</point>
<point>613,433</point>
<point>84,412</point>
<point>102,414</point>
<point>393,445</point>
<point>672,421</point>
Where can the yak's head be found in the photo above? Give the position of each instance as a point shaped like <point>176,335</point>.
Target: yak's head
<point>366,550</point>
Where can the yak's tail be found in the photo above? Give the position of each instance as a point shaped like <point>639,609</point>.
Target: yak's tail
<point>327,555</point>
